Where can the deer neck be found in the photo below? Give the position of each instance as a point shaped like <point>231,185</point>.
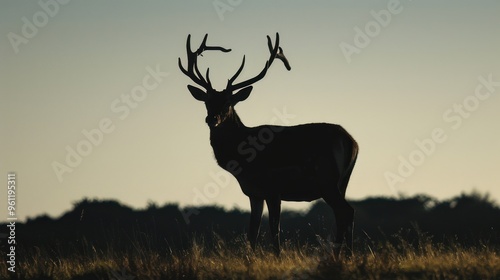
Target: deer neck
<point>226,137</point>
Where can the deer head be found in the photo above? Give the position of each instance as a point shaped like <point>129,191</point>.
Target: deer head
<point>220,104</point>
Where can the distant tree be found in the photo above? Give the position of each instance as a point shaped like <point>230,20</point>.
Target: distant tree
<point>107,224</point>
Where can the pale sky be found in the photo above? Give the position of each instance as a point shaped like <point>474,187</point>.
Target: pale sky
<point>417,83</point>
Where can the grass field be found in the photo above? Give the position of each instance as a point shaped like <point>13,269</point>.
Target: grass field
<point>397,259</point>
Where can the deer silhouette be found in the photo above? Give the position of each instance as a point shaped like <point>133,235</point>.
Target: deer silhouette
<point>286,163</point>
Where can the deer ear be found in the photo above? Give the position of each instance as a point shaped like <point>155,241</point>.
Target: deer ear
<point>241,95</point>
<point>197,93</point>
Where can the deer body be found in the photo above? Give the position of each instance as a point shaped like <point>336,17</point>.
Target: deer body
<point>291,162</point>
<point>274,163</point>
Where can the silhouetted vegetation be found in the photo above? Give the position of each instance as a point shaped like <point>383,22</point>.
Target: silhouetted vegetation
<point>468,219</point>
<point>415,227</point>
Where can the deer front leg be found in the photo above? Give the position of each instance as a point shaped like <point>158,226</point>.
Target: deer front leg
<point>274,208</point>
<point>256,206</point>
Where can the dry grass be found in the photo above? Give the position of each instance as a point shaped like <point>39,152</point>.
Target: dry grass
<point>235,260</point>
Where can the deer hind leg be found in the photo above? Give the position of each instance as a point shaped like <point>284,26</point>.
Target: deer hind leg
<point>344,213</point>
<point>344,216</point>
<point>274,208</point>
<point>256,206</point>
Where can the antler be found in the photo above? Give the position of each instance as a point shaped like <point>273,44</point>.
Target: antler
<point>276,52</point>
<point>192,68</point>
